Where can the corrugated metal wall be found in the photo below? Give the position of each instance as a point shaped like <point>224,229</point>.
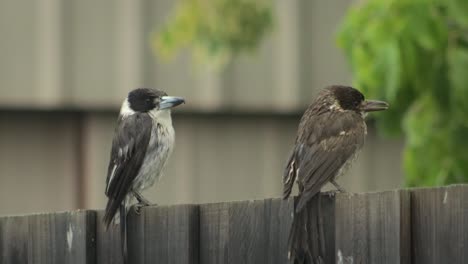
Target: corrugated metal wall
<point>233,135</point>
<point>90,53</point>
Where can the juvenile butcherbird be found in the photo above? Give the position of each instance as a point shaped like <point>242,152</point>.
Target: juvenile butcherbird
<point>330,133</point>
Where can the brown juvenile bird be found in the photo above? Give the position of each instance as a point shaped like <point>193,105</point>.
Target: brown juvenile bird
<point>330,133</point>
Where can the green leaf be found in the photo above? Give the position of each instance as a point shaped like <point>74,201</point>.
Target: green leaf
<point>214,30</point>
<point>414,54</point>
<point>458,66</point>
<point>458,10</point>
<point>391,65</point>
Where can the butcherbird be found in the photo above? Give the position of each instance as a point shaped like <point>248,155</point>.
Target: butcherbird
<point>143,141</point>
<point>330,133</point>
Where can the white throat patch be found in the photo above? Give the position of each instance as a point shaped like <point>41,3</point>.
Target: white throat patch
<point>163,117</point>
<point>125,110</point>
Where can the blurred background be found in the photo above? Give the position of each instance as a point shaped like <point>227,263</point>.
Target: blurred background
<point>247,69</point>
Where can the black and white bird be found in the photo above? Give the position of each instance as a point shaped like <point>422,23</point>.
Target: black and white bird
<point>330,133</point>
<point>143,141</point>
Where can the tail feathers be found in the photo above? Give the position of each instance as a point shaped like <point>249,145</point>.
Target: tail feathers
<point>304,241</point>
<point>111,210</point>
<point>298,246</point>
<point>110,213</point>
<point>123,232</point>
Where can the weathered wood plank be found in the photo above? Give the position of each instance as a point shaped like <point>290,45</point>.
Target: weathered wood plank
<point>14,239</point>
<point>245,232</point>
<point>214,233</point>
<point>166,234</point>
<point>321,226</point>
<point>403,226</point>
<point>373,227</point>
<point>108,247</point>
<point>328,208</point>
<point>67,237</point>
<point>439,224</point>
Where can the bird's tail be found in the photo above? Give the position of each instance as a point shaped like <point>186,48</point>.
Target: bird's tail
<point>303,242</point>
<point>111,210</point>
<point>109,214</point>
<point>123,231</point>
<point>298,246</point>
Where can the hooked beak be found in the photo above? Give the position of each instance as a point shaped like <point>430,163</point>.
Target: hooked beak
<point>373,105</point>
<point>170,101</point>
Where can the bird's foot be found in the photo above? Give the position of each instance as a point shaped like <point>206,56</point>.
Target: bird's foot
<point>141,200</point>
<point>332,193</point>
<point>138,207</point>
<point>339,189</point>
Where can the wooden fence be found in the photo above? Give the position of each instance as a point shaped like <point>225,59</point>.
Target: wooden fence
<point>402,226</point>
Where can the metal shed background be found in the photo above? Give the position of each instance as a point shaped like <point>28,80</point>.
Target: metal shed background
<point>66,66</point>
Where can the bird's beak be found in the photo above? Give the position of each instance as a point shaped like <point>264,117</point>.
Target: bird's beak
<point>373,105</point>
<point>170,101</point>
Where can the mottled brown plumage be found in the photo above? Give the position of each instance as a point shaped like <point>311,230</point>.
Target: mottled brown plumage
<point>331,131</point>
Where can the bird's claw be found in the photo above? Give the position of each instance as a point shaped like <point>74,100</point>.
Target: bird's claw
<point>339,189</point>
<point>141,199</point>
<point>138,207</point>
<point>332,193</point>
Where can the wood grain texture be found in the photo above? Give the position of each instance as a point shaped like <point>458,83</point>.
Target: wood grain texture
<point>58,238</point>
<point>166,234</point>
<point>439,224</point>
<point>321,226</point>
<point>401,226</point>
<point>14,232</point>
<point>373,227</point>
<point>108,247</point>
<point>328,211</point>
<point>245,232</point>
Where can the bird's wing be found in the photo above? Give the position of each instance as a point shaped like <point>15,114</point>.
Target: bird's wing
<point>129,146</point>
<point>289,175</point>
<point>322,151</point>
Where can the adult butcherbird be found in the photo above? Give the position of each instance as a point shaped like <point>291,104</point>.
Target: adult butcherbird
<point>330,133</point>
<point>143,141</point>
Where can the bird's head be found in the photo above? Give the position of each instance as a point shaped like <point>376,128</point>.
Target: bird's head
<point>345,98</point>
<point>145,100</point>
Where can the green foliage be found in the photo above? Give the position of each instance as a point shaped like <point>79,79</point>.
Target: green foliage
<point>414,54</point>
<point>214,29</point>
